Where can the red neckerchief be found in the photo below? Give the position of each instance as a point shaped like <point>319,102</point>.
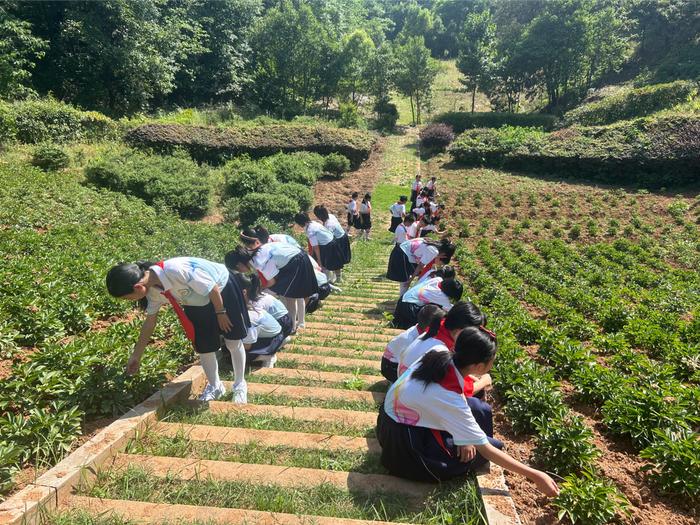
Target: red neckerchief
<point>468,386</point>
<point>421,331</point>
<point>427,268</point>
<point>445,336</point>
<point>181,315</point>
<point>440,285</point>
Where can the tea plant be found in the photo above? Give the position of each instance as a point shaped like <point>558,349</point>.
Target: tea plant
<point>565,445</point>
<point>674,462</point>
<point>589,500</point>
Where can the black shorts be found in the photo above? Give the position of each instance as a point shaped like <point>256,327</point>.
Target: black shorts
<point>207,334</point>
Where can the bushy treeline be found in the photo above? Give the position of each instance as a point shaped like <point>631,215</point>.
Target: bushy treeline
<point>461,120</point>
<point>651,151</point>
<point>288,57</point>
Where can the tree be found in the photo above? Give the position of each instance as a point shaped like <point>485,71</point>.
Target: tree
<point>357,51</point>
<point>477,51</point>
<point>415,73</point>
<point>19,51</point>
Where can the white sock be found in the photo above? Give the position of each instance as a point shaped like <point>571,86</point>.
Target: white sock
<point>291,305</point>
<point>338,275</point>
<point>301,311</point>
<point>211,367</point>
<point>237,351</point>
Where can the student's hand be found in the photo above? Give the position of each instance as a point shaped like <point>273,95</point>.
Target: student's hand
<point>545,484</point>
<point>224,322</point>
<point>133,365</point>
<point>466,453</point>
<point>486,380</point>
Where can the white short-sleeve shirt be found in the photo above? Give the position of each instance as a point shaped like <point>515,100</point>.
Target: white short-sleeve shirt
<point>283,237</point>
<point>438,406</point>
<point>365,207</point>
<point>321,278</point>
<point>398,344</point>
<point>272,257</point>
<point>318,234</point>
<point>334,226</point>
<point>418,251</point>
<point>271,305</point>
<point>417,185</point>
<point>352,207</point>
<point>398,210</point>
<point>401,234</point>
<point>188,279</point>
<point>428,292</point>
<point>262,326</point>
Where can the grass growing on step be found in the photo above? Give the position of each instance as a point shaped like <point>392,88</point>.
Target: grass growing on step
<point>270,421</point>
<point>181,446</point>
<point>345,353</point>
<point>451,503</point>
<point>82,517</point>
<point>337,341</point>
<point>341,404</point>
<point>320,500</point>
<point>288,361</point>
<point>352,382</point>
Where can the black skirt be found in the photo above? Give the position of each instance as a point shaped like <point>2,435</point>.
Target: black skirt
<point>366,221</point>
<point>406,314</point>
<point>266,346</point>
<point>400,269</point>
<point>207,334</point>
<point>286,323</point>
<point>389,370</point>
<point>395,221</point>
<point>332,255</point>
<point>414,196</point>
<point>344,244</point>
<point>324,291</point>
<point>415,453</point>
<point>296,279</point>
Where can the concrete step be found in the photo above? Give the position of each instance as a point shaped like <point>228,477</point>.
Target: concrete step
<point>338,378</point>
<point>303,392</point>
<point>355,336</point>
<point>339,326</point>
<point>302,360</point>
<point>352,353</point>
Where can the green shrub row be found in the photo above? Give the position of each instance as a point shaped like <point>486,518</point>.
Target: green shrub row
<point>215,145</point>
<point>651,151</point>
<point>632,103</point>
<point>34,121</point>
<point>174,182</point>
<point>461,120</point>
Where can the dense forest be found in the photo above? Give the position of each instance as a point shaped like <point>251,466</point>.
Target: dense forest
<point>289,57</point>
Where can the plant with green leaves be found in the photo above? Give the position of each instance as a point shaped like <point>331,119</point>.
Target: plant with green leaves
<point>50,157</point>
<point>590,500</point>
<point>565,444</point>
<point>674,458</point>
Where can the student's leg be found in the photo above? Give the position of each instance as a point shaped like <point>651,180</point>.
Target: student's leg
<point>291,305</point>
<point>211,369</point>
<point>338,276</point>
<point>482,414</point>
<point>237,351</point>
<point>301,313</point>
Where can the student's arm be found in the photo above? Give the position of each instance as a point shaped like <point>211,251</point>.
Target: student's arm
<point>221,315</point>
<point>134,362</point>
<point>317,254</point>
<point>482,383</point>
<point>544,483</point>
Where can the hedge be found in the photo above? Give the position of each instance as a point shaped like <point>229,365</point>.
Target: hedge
<point>461,120</point>
<point>43,120</point>
<point>632,103</point>
<point>173,182</point>
<point>215,144</point>
<point>652,151</point>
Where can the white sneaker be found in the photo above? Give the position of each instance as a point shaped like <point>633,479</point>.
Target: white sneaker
<point>268,361</point>
<point>287,340</point>
<point>211,393</point>
<point>240,393</point>
<point>335,289</point>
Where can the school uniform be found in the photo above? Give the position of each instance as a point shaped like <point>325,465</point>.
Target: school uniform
<point>187,281</point>
<point>366,215</point>
<point>419,212</point>
<point>276,309</point>
<point>353,215</point>
<point>428,229</point>
<point>419,427</point>
<point>341,237</point>
<point>324,288</point>
<point>332,257</point>
<point>416,188</point>
<point>283,237</point>
<point>412,231</point>
<point>401,234</point>
<point>398,210</point>
<point>427,292</point>
<point>405,257</point>
<point>289,266</point>
<point>431,186</point>
<point>419,201</point>
<point>264,335</point>
<point>394,348</point>
<point>442,342</point>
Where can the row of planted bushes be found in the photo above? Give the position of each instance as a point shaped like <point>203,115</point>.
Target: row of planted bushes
<point>461,120</point>
<point>651,151</point>
<point>215,144</point>
<point>632,103</point>
<point>276,187</point>
<point>34,121</point>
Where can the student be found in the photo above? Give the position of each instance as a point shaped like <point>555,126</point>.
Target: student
<point>324,246</point>
<point>446,272</point>
<point>431,187</point>
<point>416,188</point>
<point>398,212</point>
<point>273,306</point>
<point>419,211</point>
<point>353,212</point>
<point>394,348</point>
<point>366,216</point>
<point>421,198</point>
<point>212,305</point>
<point>331,222</point>
<point>403,230</point>
<point>425,427</point>
<point>265,336</point>
<point>324,289</point>
<point>411,258</point>
<point>438,291</point>
<point>284,269</point>
<point>259,233</point>
<point>442,332</point>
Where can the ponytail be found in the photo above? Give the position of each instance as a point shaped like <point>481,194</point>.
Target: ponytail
<point>238,255</point>
<point>464,314</point>
<point>255,287</point>
<point>433,367</point>
<point>434,325</point>
<point>452,288</point>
